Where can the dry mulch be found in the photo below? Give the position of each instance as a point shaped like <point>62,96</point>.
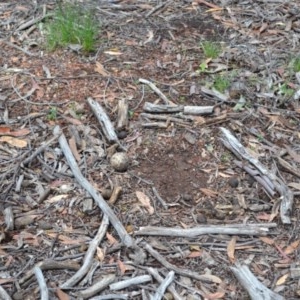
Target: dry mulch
<point>181,174</point>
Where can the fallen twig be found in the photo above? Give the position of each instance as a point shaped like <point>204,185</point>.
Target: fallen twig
<point>170,288</point>
<point>125,237</point>
<point>98,286</point>
<point>240,229</point>
<point>88,259</point>
<point>287,197</point>
<point>163,286</point>
<point>103,119</point>
<point>3,294</point>
<point>40,149</point>
<point>254,287</point>
<point>156,90</point>
<point>180,271</point>
<point>129,282</point>
<point>42,283</point>
<point>50,265</point>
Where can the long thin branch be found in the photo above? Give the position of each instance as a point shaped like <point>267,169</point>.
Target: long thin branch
<point>240,229</point>
<point>125,237</point>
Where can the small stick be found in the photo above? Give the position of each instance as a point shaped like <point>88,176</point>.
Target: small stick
<point>170,288</point>
<point>161,200</point>
<point>180,271</point>
<point>3,294</point>
<point>40,149</point>
<point>129,282</point>
<point>103,119</point>
<point>253,286</point>
<point>156,90</point>
<point>163,286</point>
<point>98,286</point>
<point>88,259</point>
<point>42,283</point>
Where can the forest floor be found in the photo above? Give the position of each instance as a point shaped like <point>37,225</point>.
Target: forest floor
<point>231,207</point>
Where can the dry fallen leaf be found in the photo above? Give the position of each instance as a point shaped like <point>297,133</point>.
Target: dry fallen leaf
<point>267,240</point>
<point>73,147</point>
<point>100,254</point>
<point>195,254</point>
<point>62,295</point>
<point>282,279</point>
<point>145,201</point>
<point>209,192</point>
<point>13,141</point>
<point>121,266</point>
<point>231,249</point>
<point>100,69</point>
<point>292,247</point>
<point>111,239</point>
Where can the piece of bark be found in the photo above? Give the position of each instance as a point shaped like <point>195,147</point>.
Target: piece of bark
<point>122,122</point>
<point>9,218</point>
<point>255,289</point>
<point>103,119</point>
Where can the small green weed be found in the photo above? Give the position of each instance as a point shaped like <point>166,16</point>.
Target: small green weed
<point>71,25</point>
<point>211,49</point>
<point>221,83</point>
<point>296,64</point>
<point>286,91</point>
<point>225,157</point>
<point>52,114</point>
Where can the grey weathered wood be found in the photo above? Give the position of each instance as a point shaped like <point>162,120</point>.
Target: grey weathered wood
<point>88,259</point>
<point>42,283</point>
<point>287,196</point>
<point>198,110</point>
<point>122,122</point>
<point>160,108</point>
<point>255,289</point>
<point>129,282</point>
<point>103,119</point>
<point>126,238</point>
<point>240,229</point>
<point>98,286</point>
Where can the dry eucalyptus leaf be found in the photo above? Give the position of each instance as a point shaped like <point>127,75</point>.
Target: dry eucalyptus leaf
<point>145,201</point>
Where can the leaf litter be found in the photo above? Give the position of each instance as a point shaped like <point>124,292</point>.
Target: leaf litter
<point>209,195</point>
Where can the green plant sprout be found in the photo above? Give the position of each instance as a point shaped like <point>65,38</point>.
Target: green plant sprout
<point>71,25</point>
<point>286,91</point>
<point>221,83</point>
<point>296,64</point>
<point>52,114</point>
<point>211,49</point>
